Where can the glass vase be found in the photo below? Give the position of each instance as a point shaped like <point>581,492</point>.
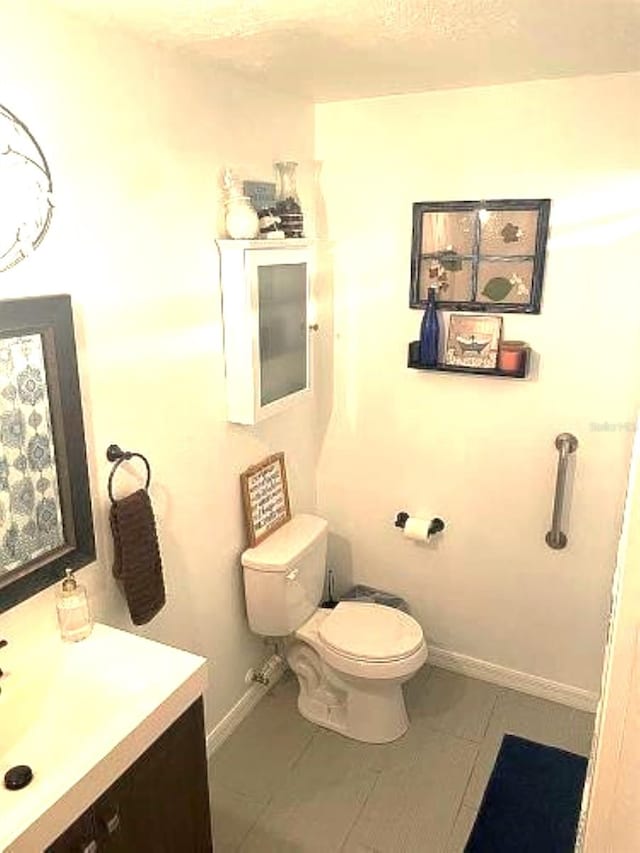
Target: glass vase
<point>287,199</point>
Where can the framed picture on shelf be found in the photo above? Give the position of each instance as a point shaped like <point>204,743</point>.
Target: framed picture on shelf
<point>485,255</point>
<point>473,341</point>
<point>261,193</point>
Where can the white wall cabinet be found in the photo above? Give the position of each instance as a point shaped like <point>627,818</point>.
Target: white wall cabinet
<point>265,305</point>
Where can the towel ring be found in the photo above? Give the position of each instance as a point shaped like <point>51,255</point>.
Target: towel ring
<point>118,456</point>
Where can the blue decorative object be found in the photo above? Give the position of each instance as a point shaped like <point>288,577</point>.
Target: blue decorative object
<point>430,332</point>
<point>532,801</point>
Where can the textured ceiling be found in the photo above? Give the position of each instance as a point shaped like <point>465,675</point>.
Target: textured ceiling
<point>336,49</point>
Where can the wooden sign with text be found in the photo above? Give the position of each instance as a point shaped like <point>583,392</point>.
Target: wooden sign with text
<point>265,497</point>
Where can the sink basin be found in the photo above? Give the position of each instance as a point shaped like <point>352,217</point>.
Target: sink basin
<point>79,714</point>
<point>51,702</point>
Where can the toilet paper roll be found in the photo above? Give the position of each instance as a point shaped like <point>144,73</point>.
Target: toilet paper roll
<point>417,529</point>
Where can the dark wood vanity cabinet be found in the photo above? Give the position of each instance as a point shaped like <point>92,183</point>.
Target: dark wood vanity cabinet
<point>159,805</point>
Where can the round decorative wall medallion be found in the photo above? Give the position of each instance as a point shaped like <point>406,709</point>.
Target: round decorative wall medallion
<point>26,200</point>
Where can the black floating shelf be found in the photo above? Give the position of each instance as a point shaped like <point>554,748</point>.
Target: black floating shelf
<point>473,371</point>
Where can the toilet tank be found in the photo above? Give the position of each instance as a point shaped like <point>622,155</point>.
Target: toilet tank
<point>284,576</point>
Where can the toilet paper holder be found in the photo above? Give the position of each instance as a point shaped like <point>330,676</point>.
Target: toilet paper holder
<point>436,525</point>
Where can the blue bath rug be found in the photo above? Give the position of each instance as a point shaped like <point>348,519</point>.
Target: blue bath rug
<point>532,801</point>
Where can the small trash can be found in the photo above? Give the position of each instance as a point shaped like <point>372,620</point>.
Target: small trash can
<point>369,594</point>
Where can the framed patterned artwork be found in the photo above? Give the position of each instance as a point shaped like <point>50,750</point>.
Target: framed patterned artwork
<point>481,255</point>
<point>45,510</point>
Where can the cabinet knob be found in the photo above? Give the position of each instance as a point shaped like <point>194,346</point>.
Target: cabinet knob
<point>91,847</point>
<point>313,327</point>
<point>112,824</point>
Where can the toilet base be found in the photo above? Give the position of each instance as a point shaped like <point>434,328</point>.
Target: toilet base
<point>361,716</point>
<point>368,710</point>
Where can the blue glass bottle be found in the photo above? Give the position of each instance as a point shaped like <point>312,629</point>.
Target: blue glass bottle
<point>430,332</point>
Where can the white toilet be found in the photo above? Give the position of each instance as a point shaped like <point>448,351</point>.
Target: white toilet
<point>351,661</point>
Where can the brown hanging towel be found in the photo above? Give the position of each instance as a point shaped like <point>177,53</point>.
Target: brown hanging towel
<point>136,559</point>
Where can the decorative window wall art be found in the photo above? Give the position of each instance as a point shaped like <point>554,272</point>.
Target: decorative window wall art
<point>484,255</point>
<point>45,511</point>
<point>473,341</point>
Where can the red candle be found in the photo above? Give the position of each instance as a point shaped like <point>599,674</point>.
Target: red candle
<point>511,356</point>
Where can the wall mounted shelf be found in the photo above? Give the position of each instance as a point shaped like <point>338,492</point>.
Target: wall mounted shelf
<point>414,364</point>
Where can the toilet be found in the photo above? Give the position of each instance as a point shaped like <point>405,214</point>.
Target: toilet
<point>351,661</point>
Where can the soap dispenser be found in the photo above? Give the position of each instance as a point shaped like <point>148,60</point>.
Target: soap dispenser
<point>72,604</point>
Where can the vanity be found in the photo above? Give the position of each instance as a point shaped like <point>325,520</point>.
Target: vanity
<point>113,730</point>
<point>104,737</point>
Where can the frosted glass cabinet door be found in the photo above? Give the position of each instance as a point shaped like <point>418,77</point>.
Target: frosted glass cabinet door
<point>282,332</point>
<point>265,306</point>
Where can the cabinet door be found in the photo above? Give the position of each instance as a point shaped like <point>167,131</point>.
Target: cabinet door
<point>112,815</point>
<point>161,804</point>
<point>79,838</point>
<point>281,296</point>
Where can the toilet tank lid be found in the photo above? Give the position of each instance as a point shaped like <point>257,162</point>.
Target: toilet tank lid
<point>286,545</point>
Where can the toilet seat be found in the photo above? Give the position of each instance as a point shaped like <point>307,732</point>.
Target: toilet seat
<point>371,633</point>
<point>399,664</point>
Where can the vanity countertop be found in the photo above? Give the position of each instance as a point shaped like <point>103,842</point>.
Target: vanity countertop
<point>79,714</point>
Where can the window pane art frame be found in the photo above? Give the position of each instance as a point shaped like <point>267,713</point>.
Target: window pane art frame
<point>46,524</point>
<point>484,255</point>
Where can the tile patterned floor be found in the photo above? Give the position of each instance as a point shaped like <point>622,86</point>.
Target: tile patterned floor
<point>282,785</point>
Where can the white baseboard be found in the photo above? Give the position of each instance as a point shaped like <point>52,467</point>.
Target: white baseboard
<point>243,707</point>
<point>565,694</point>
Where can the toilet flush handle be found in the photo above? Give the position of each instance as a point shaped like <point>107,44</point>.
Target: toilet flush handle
<point>292,575</point>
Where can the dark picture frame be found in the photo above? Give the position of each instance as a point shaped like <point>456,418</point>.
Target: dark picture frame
<point>49,320</point>
<point>481,255</point>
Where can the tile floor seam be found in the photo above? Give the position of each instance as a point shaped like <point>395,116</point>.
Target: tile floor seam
<point>490,716</point>
<point>461,804</point>
<point>253,825</point>
<point>464,800</point>
<point>471,773</point>
<point>297,759</point>
<point>440,731</point>
<point>452,828</point>
<point>242,793</point>
<point>377,774</point>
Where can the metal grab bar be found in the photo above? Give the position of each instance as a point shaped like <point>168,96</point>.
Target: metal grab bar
<point>565,444</point>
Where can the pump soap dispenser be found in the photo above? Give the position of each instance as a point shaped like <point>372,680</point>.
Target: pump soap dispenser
<point>72,604</point>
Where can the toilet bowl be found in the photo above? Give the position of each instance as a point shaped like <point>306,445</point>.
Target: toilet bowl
<point>352,661</point>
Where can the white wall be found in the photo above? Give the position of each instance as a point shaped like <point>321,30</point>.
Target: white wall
<point>480,451</point>
<point>135,137</point>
